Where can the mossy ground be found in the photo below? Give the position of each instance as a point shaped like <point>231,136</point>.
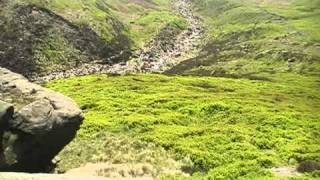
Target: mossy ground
<point>229,128</point>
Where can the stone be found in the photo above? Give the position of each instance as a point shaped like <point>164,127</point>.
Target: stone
<point>35,118</point>
<point>6,113</point>
<point>36,126</point>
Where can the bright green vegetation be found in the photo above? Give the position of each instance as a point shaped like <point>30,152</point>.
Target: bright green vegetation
<point>152,23</point>
<point>229,128</point>
<point>261,110</point>
<point>255,38</point>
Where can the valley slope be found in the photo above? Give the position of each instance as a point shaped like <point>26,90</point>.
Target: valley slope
<point>255,39</point>
<point>244,108</point>
<point>43,37</point>
<point>242,105</point>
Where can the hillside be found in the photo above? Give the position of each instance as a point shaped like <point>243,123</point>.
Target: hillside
<point>244,39</point>
<point>254,39</point>
<point>39,37</point>
<point>258,127</point>
<point>177,89</point>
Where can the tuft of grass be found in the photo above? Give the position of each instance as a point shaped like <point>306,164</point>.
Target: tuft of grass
<point>122,153</point>
<point>230,128</point>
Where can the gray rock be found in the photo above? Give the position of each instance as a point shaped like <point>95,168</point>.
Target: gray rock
<point>36,118</point>
<point>44,122</point>
<point>6,112</point>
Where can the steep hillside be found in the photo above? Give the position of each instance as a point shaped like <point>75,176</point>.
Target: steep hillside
<point>255,38</point>
<point>46,36</point>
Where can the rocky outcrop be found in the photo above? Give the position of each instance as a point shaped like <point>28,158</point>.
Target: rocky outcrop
<point>35,123</point>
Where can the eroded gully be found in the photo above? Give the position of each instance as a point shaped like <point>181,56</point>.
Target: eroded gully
<point>156,56</point>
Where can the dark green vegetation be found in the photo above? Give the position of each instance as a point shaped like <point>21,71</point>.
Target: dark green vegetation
<point>255,38</point>
<point>41,36</point>
<point>229,128</point>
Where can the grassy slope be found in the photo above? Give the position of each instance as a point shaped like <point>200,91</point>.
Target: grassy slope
<point>87,30</point>
<point>229,128</point>
<point>142,19</point>
<point>253,38</point>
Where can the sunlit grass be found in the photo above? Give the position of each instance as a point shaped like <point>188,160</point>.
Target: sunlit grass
<point>275,36</point>
<point>229,128</point>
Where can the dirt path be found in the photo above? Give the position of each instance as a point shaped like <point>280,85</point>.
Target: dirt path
<point>156,56</point>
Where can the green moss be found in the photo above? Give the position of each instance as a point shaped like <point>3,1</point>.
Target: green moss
<point>229,128</point>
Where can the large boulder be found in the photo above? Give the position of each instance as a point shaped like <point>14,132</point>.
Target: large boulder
<point>35,123</point>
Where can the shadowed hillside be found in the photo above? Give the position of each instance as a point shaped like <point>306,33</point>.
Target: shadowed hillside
<point>40,37</point>
<point>38,40</point>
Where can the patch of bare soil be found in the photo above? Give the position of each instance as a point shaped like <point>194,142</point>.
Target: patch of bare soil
<point>135,171</point>
<point>114,171</point>
<point>285,171</point>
